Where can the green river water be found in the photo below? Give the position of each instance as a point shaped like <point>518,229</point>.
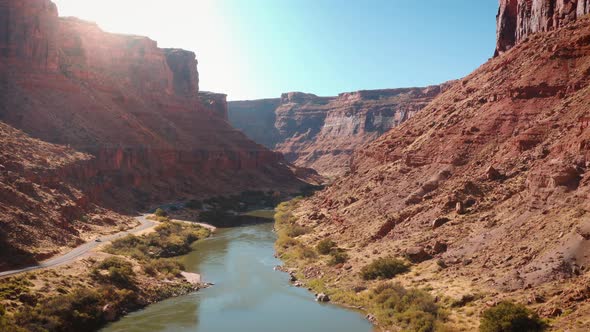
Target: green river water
<point>248,294</point>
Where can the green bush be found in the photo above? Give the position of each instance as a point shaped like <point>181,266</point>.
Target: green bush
<point>337,257</point>
<point>384,268</point>
<point>166,267</point>
<point>325,246</point>
<point>413,309</point>
<point>161,213</point>
<point>510,317</point>
<point>115,270</point>
<point>304,252</point>
<point>296,230</point>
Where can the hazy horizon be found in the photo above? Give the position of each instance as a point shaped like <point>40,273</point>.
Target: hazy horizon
<point>262,48</point>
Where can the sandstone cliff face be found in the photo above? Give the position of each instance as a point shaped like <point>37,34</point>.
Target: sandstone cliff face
<point>491,178</point>
<point>132,105</point>
<point>517,19</point>
<point>322,132</point>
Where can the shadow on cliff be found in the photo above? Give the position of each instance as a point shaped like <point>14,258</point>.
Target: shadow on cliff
<point>13,257</point>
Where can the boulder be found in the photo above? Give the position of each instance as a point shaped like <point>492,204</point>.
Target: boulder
<point>417,254</point>
<point>439,247</point>
<point>109,313</point>
<point>493,174</point>
<point>321,297</point>
<point>438,222</point>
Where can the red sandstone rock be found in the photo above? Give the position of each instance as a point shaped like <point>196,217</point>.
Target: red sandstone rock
<point>215,102</point>
<point>132,105</point>
<point>323,132</point>
<point>517,19</point>
<point>530,110</point>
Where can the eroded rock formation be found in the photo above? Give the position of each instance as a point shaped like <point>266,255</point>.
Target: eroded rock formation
<point>133,106</point>
<point>517,19</point>
<point>322,132</point>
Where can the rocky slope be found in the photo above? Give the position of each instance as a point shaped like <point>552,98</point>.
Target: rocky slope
<point>132,105</point>
<point>39,212</point>
<point>490,179</point>
<point>322,132</point>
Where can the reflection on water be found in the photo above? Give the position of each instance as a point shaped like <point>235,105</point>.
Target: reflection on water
<point>248,294</point>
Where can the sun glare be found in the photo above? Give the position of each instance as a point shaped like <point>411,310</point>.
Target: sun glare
<point>199,26</point>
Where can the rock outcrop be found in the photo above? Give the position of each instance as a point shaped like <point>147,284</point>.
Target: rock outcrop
<point>517,19</point>
<point>322,132</point>
<point>133,106</point>
<point>216,103</point>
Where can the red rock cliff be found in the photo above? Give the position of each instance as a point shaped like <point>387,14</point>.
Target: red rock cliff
<point>518,19</point>
<point>132,105</point>
<point>492,178</point>
<point>323,132</point>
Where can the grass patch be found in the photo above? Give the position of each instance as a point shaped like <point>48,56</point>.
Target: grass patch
<point>384,268</point>
<point>15,287</point>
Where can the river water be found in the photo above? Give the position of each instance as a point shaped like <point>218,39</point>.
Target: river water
<point>248,294</point>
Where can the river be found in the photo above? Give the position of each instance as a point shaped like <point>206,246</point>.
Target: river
<point>248,294</point>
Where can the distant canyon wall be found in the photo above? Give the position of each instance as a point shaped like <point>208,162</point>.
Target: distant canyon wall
<point>322,132</point>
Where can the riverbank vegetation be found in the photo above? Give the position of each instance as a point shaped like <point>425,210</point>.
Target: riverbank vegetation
<point>83,296</point>
<point>376,287</point>
<point>387,303</point>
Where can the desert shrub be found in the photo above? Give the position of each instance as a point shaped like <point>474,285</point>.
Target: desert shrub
<point>284,242</point>
<point>384,268</point>
<point>296,230</point>
<point>337,257</point>
<point>325,246</point>
<point>510,317</point>
<point>304,252</point>
<point>167,267</point>
<point>413,309</point>
<point>115,270</point>
<point>160,213</point>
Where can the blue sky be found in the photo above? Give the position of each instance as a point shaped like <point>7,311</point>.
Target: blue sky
<point>253,49</point>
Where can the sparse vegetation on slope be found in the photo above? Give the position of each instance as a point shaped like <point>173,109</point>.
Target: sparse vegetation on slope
<point>113,285</point>
<point>388,304</point>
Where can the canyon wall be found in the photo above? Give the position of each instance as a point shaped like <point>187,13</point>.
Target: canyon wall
<point>486,190</point>
<point>134,106</point>
<point>517,19</point>
<point>322,132</point>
